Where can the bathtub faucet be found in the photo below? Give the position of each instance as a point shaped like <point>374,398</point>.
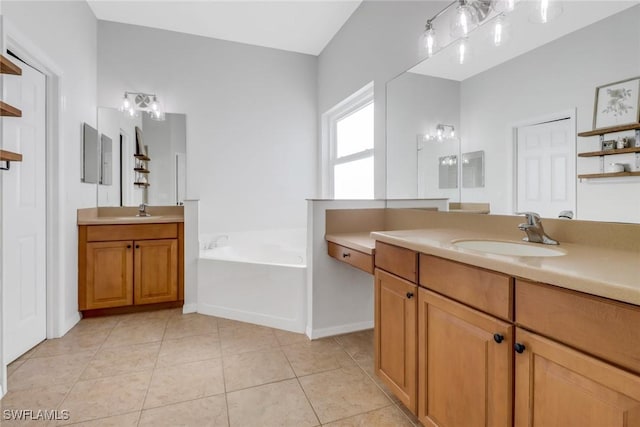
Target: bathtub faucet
<point>215,242</point>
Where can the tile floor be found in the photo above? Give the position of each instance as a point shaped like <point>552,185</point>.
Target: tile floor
<point>164,368</point>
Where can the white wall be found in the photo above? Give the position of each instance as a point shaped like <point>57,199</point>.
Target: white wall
<point>251,119</point>
<point>416,104</point>
<point>524,88</point>
<point>65,32</point>
<point>378,42</point>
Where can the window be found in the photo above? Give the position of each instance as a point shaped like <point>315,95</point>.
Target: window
<point>348,147</point>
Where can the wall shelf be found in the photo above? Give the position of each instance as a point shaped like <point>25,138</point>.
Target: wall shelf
<point>142,157</point>
<point>610,152</point>
<point>612,129</point>
<point>8,157</point>
<point>8,67</point>
<point>608,175</point>
<point>141,184</point>
<point>141,170</point>
<point>7,110</point>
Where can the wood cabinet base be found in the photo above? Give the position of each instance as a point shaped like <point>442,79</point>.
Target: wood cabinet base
<point>131,309</point>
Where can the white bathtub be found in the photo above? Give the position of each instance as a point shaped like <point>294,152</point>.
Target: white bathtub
<point>257,277</point>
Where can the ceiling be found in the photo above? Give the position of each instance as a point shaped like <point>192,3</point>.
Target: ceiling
<point>524,35</point>
<point>304,26</point>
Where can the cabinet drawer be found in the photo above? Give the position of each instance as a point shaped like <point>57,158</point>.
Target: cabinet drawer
<point>485,290</point>
<point>104,233</point>
<point>352,257</point>
<point>602,327</point>
<point>399,261</point>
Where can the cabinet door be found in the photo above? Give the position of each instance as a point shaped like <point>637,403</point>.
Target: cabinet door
<point>156,271</point>
<point>465,358</point>
<point>109,275</point>
<point>395,335</point>
<point>559,386</point>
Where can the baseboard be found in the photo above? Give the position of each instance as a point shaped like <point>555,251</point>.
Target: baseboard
<point>69,323</point>
<point>189,308</point>
<point>286,324</point>
<point>315,334</point>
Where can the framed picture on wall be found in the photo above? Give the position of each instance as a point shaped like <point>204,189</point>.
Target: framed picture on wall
<point>139,144</point>
<point>617,104</point>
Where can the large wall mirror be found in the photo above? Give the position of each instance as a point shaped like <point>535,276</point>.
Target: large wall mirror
<point>142,160</point>
<point>512,113</point>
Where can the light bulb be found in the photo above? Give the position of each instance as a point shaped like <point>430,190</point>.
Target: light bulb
<point>546,11</point>
<point>429,39</point>
<point>154,104</point>
<point>504,6</point>
<point>132,112</point>
<point>463,20</point>
<point>439,132</point>
<point>463,51</point>
<point>126,104</point>
<point>452,134</point>
<point>499,31</point>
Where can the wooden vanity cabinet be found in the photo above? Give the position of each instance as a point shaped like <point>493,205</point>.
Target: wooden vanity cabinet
<point>128,265</point>
<point>577,359</point>
<point>109,275</point>
<point>559,386</point>
<point>396,304</point>
<point>465,356</point>
<point>493,351</point>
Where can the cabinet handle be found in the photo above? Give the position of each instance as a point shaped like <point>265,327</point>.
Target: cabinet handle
<point>409,295</point>
<point>137,246</point>
<point>519,348</point>
<point>346,255</point>
<point>498,338</point>
<point>128,246</point>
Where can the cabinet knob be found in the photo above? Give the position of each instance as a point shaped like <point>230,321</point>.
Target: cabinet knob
<point>498,338</point>
<point>519,348</point>
<point>409,295</point>
<point>128,246</point>
<point>137,246</point>
<point>346,255</point>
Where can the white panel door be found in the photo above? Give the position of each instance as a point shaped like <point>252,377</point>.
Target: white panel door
<point>546,168</point>
<point>24,215</point>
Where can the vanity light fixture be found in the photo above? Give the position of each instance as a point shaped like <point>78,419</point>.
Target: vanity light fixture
<point>470,14</point>
<point>147,102</point>
<point>442,132</point>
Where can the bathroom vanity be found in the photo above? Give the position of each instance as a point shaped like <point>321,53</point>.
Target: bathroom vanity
<point>469,334</point>
<point>129,263</point>
<point>470,338</point>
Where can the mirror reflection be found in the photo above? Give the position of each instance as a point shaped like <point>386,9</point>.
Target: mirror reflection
<point>142,160</point>
<point>517,110</point>
<point>473,169</point>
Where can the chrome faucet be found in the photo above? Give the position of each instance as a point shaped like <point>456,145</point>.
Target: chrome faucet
<point>142,210</point>
<point>534,230</point>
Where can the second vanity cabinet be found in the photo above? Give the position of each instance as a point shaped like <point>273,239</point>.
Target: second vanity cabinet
<point>490,350</point>
<point>129,265</point>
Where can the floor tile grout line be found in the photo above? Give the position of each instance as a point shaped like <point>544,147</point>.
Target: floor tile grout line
<point>153,370</point>
<point>224,379</point>
<point>309,401</point>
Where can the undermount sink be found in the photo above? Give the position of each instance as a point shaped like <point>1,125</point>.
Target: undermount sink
<point>501,247</point>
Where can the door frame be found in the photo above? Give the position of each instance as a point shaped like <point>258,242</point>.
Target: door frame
<point>22,46</point>
<point>513,146</point>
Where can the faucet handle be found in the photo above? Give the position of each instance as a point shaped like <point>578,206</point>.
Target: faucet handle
<point>532,217</point>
